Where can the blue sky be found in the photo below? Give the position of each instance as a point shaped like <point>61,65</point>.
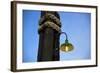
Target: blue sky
<point>75,24</point>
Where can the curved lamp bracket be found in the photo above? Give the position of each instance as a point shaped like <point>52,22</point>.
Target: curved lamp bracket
<point>66,47</point>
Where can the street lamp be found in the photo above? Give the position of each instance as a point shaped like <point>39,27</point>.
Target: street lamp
<point>66,47</point>
<point>49,34</point>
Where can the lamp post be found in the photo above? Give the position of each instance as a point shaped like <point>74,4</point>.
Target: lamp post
<point>49,35</point>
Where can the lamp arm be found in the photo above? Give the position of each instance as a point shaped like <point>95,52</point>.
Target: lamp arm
<point>66,41</point>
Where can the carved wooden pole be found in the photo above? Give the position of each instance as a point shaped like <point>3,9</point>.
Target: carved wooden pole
<point>49,35</point>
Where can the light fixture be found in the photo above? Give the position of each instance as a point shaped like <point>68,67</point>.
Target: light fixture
<point>66,47</point>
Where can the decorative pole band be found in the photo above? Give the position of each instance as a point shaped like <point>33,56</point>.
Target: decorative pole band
<point>49,24</point>
<point>50,17</point>
<point>51,21</point>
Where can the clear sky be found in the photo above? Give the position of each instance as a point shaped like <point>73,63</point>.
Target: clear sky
<point>75,24</point>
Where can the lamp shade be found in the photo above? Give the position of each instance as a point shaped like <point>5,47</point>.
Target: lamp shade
<point>66,47</point>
